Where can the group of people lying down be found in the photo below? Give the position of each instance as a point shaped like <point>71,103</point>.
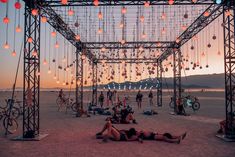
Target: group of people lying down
<point>133,135</point>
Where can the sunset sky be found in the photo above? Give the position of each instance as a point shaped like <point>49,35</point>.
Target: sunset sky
<point>8,63</point>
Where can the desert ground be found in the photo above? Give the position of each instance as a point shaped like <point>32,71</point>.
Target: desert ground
<point>69,136</point>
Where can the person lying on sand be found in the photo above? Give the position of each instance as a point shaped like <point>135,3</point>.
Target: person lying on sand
<point>167,137</point>
<point>116,134</point>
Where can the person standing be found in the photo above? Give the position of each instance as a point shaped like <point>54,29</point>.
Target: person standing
<point>151,98</point>
<point>109,97</point>
<point>101,99</point>
<point>139,97</point>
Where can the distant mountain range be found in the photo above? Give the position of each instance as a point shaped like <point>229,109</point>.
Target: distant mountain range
<point>193,81</point>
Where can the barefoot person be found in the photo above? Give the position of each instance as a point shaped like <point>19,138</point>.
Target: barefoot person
<point>139,97</point>
<point>167,137</point>
<point>116,134</point>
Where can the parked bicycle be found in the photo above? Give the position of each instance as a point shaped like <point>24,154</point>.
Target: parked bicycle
<point>188,101</point>
<point>9,114</point>
<point>67,103</point>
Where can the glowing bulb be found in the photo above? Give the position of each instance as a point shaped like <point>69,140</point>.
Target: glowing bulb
<point>34,12</point>
<point>45,62</point>
<point>124,10</point>
<point>18,29</point>
<point>228,13</point>
<point>34,53</point>
<point>96,2</point>
<point>177,40</point>
<point>100,15</point>
<point>17,5</point>
<point>146,4</point>
<point>49,71</point>
<point>142,18</point>
<point>64,2</point>
<point>218,1</point>
<point>57,45</point>
<point>194,1</point>
<point>13,53</point>
<point>53,34</point>
<point>63,84</point>
<point>57,81</point>
<point>163,31</point>
<point>30,40</point>
<point>123,41</point>
<point>6,20</point>
<point>77,37</point>
<point>163,16</point>
<point>6,46</point>
<point>100,31</point>
<point>70,12</point>
<point>54,77</point>
<point>103,49</point>
<point>171,2</point>
<point>206,14</point>
<point>121,25</point>
<point>143,36</point>
<point>44,19</point>
<point>4,1</point>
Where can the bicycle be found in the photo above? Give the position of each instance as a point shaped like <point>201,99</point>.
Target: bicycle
<point>9,118</point>
<point>188,101</point>
<point>67,102</point>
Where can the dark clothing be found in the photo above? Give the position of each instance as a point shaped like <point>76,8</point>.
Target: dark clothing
<point>151,137</point>
<point>150,95</point>
<point>101,98</point>
<point>139,97</point>
<point>109,95</point>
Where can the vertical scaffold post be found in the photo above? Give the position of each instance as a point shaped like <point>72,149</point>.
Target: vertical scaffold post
<point>229,64</point>
<point>177,76</point>
<point>159,86</point>
<point>31,83</point>
<point>79,80</point>
<point>94,82</point>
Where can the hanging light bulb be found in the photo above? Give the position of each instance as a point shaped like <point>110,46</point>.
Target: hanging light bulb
<point>194,1</point>
<point>38,73</point>
<point>18,29</point>
<point>163,31</point>
<point>186,15</point>
<point>214,37</point>
<point>142,18</point>
<point>203,54</point>
<point>124,10</point>
<point>103,49</point>
<point>146,4</point>
<point>53,34</point>
<point>163,16</point>
<point>64,2</point>
<point>171,2</point>
<point>177,40</point>
<point>77,37</point>
<point>100,31</point>
<point>13,53</point>
<point>30,40</point>
<point>49,71</point>
<point>100,15</point>
<point>45,61</point>
<point>63,84</point>
<point>121,25</point>
<point>206,14</point>
<point>64,60</point>
<point>76,24</point>
<point>6,46</point>
<point>55,77</point>
<point>6,20</point>
<point>70,12</point>
<point>35,53</point>
<point>57,44</point>
<point>44,19</point>
<point>4,1</point>
<point>219,53</point>
<point>17,5</point>
<point>143,36</point>
<point>123,41</point>
<point>34,12</point>
<point>58,81</point>
<point>96,2</point>
<point>228,12</point>
<point>183,27</point>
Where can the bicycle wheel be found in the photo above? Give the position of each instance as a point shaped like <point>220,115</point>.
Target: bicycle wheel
<point>10,124</point>
<point>171,104</point>
<point>15,112</point>
<point>74,107</point>
<point>196,106</point>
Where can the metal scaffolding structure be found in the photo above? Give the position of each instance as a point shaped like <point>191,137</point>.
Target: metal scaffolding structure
<point>31,84</point>
<point>32,53</point>
<point>229,64</point>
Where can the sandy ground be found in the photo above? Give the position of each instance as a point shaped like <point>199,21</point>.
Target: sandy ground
<point>70,136</point>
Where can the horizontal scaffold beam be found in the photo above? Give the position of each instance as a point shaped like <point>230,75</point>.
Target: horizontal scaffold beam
<point>199,24</point>
<point>57,3</point>
<point>128,45</point>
